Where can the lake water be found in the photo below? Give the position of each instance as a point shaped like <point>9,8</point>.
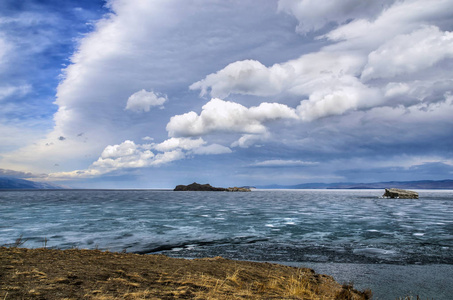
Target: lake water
<point>396,247</point>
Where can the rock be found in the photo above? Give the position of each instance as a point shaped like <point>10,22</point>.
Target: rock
<point>238,189</point>
<point>401,194</point>
<point>199,187</point>
<point>208,188</point>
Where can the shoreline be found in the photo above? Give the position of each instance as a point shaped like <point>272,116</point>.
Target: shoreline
<point>93,274</point>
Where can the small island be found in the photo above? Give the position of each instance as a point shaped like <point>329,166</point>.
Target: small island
<point>400,194</point>
<point>208,188</point>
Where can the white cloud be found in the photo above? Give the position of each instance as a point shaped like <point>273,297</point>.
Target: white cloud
<point>394,89</point>
<point>283,163</point>
<point>245,77</point>
<point>126,155</point>
<point>226,116</point>
<point>129,155</point>
<point>211,150</point>
<point>372,42</point>
<point>144,100</point>
<point>409,53</point>
<point>117,58</point>
<point>126,148</point>
<point>336,100</point>
<point>247,140</point>
<point>179,143</point>
<point>402,17</point>
<point>301,76</point>
<point>329,78</point>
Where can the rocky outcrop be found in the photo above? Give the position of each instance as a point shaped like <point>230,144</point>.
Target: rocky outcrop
<point>238,189</point>
<point>208,188</point>
<point>401,194</point>
<point>199,187</point>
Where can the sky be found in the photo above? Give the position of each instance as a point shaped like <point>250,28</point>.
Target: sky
<point>155,93</point>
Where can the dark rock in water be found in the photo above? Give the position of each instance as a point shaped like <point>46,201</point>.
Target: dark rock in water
<point>401,194</point>
<point>248,187</point>
<point>198,187</point>
<point>208,188</point>
<point>238,189</point>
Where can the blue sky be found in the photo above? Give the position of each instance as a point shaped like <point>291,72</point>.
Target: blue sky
<point>150,94</point>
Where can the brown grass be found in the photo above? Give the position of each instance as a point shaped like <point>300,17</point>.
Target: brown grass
<point>93,274</point>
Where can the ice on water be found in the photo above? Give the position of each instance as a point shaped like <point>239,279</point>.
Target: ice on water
<point>350,227</point>
<point>300,225</point>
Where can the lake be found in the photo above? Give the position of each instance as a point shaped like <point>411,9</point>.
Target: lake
<point>396,247</point>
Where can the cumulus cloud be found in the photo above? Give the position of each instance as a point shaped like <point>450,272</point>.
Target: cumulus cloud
<point>181,143</point>
<point>144,100</point>
<point>126,155</point>
<point>219,115</point>
<point>301,76</point>
<point>126,148</point>
<point>370,42</point>
<point>336,100</point>
<point>409,53</point>
<point>129,155</point>
<point>328,78</point>
<point>245,77</point>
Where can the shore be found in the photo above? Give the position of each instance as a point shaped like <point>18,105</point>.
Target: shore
<point>94,274</point>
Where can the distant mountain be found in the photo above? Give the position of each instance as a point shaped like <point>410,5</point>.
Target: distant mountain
<point>10,183</point>
<point>421,184</point>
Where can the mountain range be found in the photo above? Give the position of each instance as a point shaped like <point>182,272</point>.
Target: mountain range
<point>421,184</point>
<point>11,183</point>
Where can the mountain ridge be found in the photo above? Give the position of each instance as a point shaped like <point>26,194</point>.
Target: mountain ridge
<point>418,184</point>
<point>12,183</point>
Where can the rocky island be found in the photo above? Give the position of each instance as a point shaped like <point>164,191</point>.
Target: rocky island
<point>400,194</point>
<point>208,188</point>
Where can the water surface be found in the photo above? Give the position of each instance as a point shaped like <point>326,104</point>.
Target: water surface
<point>355,232</point>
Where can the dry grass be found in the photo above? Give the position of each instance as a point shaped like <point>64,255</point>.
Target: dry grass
<point>92,274</point>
